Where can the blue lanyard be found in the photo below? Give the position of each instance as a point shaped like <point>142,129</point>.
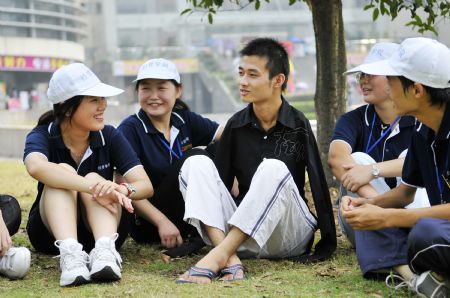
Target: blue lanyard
<point>166,144</point>
<point>438,178</point>
<point>369,149</point>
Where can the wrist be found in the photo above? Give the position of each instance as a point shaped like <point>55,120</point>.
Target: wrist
<point>129,188</point>
<point>375,171</point>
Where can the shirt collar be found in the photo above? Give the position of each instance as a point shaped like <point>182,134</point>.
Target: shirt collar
<point>405,121</point>
<point>175,120</point>
<point>285,116</point>
<point>444,128</point>
<point>96,138</point>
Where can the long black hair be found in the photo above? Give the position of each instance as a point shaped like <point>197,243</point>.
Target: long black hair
<point>61,111</point>
<point>179,103</point>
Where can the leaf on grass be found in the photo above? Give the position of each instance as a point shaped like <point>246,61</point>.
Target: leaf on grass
<point>166,259</point>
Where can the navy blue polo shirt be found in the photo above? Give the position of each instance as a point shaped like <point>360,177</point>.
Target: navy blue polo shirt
<point>355,128</point>
<point>428,152</point>
<point>108,150</point>
<point>188,130</point>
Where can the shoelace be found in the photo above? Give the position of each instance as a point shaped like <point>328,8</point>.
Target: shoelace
<point>105,253</point>
<point>5,262</point>
<point>402,283</point>
<point>72,259</point>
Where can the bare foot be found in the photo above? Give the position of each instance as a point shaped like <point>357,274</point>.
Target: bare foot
<point>214,261</point>
<point>233,260</point>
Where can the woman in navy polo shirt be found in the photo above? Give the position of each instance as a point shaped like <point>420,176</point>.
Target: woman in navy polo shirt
<point>163,134</point>
<point>72,153</point>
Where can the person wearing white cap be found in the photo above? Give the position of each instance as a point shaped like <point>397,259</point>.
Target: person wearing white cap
<point>73,154</point>
<point>419,85</point>
<point>163,133</point>
<point>367,154</point>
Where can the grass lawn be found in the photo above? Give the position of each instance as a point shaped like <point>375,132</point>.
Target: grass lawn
<point>145,274</point>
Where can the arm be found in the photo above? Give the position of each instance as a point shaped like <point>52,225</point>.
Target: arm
<point>359,175</point>
<point>339,155</point>
<point>54,175</point>
<point>371,217</point>
<point>168,232</point>
<point>218,134</point>
<point>5,238</point>
<point>141,183</point>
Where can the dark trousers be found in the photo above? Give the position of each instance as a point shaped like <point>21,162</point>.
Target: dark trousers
<point>429,246</point>
<point>167,199</point>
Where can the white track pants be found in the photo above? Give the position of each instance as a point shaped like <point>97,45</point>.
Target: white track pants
<point>272,213</point>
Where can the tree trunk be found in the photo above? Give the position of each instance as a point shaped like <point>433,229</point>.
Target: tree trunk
<point>331,63</point>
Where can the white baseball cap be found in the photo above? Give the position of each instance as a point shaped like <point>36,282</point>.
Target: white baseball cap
<point>379,51</point>
<point>422,60</point>
<point>158,69</point>
<point>77,79</point>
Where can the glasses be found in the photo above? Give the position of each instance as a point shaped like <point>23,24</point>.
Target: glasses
<point>363,76</point>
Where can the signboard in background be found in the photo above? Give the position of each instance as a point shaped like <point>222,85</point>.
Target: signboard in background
<point>123,68</point>
<point>30,63</point>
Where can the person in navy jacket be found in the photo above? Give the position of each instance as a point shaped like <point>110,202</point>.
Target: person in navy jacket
<point>164,133</point>
<point>73,154</point>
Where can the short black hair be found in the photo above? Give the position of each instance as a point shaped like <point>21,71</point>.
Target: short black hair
<point>438,96</point>
<point>276,55</point>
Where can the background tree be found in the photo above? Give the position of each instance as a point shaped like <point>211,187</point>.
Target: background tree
<point>329,99</point>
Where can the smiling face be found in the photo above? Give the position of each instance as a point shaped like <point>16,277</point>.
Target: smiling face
<point>157,97</point>
<point>374,88</point>
<point>253,81</point>
<point>89,114</point>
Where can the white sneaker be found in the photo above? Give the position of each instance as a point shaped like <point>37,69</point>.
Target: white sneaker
<point>423,285</point>
<point>105,261</point>
<point>15,263</point>
<point>427,285</point>
<point>73,263</point>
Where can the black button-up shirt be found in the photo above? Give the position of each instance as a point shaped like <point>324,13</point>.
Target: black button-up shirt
<point>244,145</point>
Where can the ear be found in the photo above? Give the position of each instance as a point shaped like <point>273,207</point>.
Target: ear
<point>279,80</point>
<point>418,90</point>
<point>179,91</point>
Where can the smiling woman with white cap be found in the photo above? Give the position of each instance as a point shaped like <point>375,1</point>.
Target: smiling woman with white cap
<point>367,154</point>
<point>73,154</point>
<point>163,134</point>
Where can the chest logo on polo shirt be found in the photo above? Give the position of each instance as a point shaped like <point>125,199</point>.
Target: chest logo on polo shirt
<point>185,144</point>
<point>103,167</point>
<point>288,143</point>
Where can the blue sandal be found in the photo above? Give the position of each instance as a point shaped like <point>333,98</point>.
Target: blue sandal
<point>197,271</point>
<point>233,270</point>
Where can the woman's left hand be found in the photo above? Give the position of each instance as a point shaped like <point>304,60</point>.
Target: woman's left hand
<point>107,194</point>
<point>104,187</point>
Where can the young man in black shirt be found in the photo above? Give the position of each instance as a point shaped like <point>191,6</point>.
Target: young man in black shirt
<point>419,85</point>
<point>266,148</point>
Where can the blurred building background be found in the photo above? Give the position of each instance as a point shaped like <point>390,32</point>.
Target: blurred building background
<point>37,37</point>
<point>114,37</point>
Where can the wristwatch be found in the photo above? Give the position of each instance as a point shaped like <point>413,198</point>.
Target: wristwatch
<point>130,188</point>
<point>375,171</point>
